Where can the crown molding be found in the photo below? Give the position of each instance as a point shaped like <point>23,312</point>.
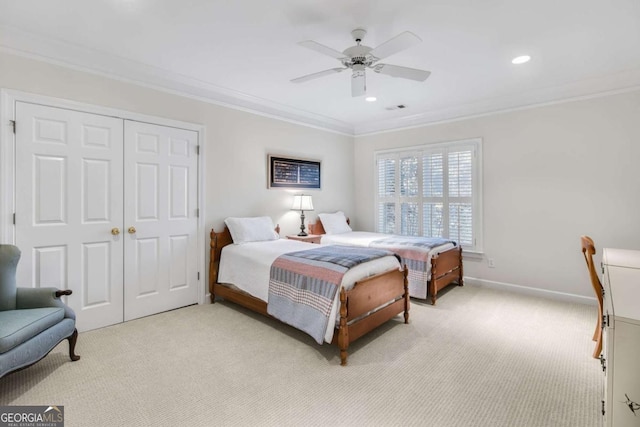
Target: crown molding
<point>25,44</point>
<point>626,81</point>
<point>20,43</point>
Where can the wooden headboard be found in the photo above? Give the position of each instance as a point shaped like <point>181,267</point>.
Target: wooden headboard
<point>219,241</point>
<point>317,228</point>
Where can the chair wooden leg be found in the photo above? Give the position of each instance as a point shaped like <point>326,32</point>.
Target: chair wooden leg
<point>597,335</point>
<point>598,350</point>
<point>598,332</point>
<point>72,345</point>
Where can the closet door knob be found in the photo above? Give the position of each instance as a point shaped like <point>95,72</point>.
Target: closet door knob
<point>131,230</point>
<point>115,231</point>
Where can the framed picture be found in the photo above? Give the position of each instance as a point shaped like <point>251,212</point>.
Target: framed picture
<point>293,173</point>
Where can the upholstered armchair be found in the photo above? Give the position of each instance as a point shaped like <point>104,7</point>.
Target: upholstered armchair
<point>32,320</point>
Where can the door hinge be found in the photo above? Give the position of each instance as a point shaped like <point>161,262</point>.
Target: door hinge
<point>14,218</point>
<point>605,320</point>
<point>603,408</point>
<point>197,212</point>
<point>197,150</point>
<point>603,363</point>
<point>13,124</point>
<point>198,275</point>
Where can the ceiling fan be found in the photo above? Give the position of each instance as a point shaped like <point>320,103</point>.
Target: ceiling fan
<point>360,57</point>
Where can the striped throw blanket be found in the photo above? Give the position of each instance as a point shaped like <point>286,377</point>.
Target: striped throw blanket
<point>303,284</point>
<point>414,252</point>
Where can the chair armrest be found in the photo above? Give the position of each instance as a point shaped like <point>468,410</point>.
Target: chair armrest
<point>60,293</point>
<point>42,297</point>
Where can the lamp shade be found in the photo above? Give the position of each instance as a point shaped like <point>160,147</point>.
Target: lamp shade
<point>302,202</point>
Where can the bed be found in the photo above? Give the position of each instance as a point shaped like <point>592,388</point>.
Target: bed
<point>435,270</point>
<point>376,294</point>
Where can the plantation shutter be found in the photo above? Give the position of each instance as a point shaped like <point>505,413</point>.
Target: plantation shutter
<point>409,195</point>
<point>432,191</point>
<point>461,195</point>
<point>433,217</point>
<point>386,194</point>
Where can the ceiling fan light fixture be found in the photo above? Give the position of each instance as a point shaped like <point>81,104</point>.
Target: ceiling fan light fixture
<point>521,59</point>
<point>360,57</point>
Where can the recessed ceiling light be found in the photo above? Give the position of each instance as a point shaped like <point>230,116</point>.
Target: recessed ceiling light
<point>371,99</point>
<point>521,59</point>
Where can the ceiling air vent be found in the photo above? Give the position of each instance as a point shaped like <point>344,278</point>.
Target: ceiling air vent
<point>397,107</point>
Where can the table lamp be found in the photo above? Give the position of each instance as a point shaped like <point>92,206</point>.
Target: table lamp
<point>302,203</point>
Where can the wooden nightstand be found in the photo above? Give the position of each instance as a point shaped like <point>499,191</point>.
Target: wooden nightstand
<point>311,238</point>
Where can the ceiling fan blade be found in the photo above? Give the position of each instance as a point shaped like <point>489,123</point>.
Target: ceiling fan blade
<point>400,42</point>
<point>358,83</point>
<point>402,72</point>
<point>316,75</point>
<point>325,50</point>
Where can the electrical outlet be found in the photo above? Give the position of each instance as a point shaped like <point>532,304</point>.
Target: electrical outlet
<point>491,263</point>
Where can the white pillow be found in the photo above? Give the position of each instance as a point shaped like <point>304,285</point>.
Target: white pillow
<point>335,223</point>
<point>256,229</point>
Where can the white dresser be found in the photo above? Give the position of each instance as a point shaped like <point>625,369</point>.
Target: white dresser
<point>621,337</point>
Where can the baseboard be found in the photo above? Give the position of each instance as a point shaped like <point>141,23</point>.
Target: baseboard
<point>544,293</point>
<point>510,287</point>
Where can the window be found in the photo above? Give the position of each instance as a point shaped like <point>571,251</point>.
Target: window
<point>432,191</point>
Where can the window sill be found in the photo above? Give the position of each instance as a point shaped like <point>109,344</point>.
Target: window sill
<point>472,254</point>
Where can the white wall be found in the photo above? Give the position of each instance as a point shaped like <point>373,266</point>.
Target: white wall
<point>551,174</point>
<point>237,142</point>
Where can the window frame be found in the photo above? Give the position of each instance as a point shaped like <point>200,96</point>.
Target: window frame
<point>398,199</point>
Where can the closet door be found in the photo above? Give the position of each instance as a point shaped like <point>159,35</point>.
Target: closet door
<point>69,208</point>
<point>161,224</point>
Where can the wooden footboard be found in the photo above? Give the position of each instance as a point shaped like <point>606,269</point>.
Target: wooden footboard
<point>369,304</point>
<point>446,268</point>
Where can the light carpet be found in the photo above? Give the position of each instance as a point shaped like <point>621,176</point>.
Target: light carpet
<point>480,357</point>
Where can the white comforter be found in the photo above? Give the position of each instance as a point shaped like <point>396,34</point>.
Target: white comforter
<point>248,267</point>
<point>364,238</point>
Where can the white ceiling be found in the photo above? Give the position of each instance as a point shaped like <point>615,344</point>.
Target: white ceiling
<point>244,52</point>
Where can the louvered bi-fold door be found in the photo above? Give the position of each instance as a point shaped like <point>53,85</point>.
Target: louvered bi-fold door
<point>108,209</point>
